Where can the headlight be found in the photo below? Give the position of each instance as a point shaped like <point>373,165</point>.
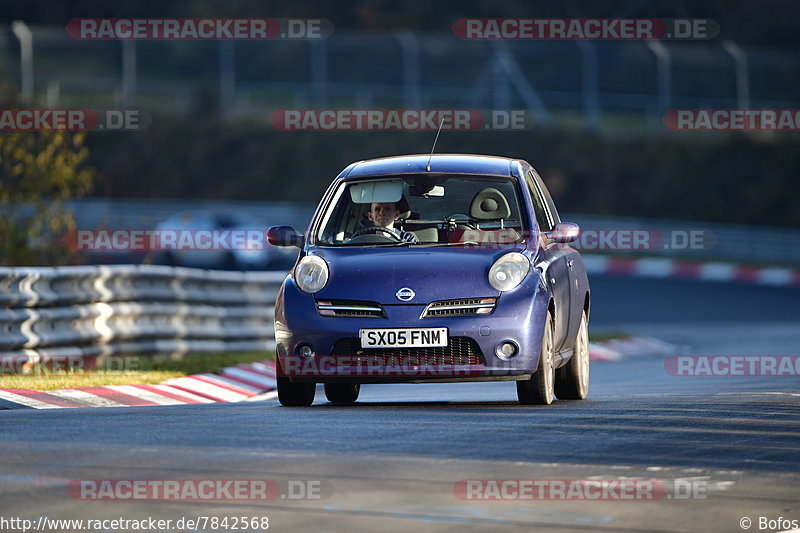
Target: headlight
<point>311,274</point>
<point>509,271</point>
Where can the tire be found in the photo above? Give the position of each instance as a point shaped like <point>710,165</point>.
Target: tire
<point>539,388</point>
<point>572,379</point>
<point>342,392</point>
<point>295,394</point>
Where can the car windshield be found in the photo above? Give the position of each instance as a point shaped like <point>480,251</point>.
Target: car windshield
<point>424,210</point>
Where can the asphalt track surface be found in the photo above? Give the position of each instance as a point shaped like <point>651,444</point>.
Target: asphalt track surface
<point>391,462</point>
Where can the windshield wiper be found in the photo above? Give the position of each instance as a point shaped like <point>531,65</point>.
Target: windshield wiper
<point>435,244</point>
<point>465,243</point>
<point>374,244</point>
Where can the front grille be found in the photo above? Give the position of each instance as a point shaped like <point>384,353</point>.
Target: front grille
<point>364,360</point>
<point>459,351</point>
<point>350,308</point>
<point>463,307</point>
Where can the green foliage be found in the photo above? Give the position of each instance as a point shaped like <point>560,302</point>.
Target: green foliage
<point>38,171</point>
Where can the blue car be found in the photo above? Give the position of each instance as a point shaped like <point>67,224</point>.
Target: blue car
<point>440,268</point>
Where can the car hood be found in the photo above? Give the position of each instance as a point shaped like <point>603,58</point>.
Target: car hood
<point>376,274</point>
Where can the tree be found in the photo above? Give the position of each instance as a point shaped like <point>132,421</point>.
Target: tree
<point>38,172</point>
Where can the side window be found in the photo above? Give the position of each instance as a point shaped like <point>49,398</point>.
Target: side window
<point>551,206</point>
<point>538,205</point>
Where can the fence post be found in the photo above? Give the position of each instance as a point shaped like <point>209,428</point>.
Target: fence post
<point>128,72</point>
<point>23,33</point>
<point>510,70</point>
<point>664,77</point>
<point>319,72</point>
<point>227,77</point>
<point>591,103</point>
<point>53,93</point>
<point>742,74</point>
<point>411,69</point>
<point>501,98</point>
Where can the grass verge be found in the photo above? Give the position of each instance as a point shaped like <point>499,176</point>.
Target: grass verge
<point>607,336</point>
<point>126,371</point>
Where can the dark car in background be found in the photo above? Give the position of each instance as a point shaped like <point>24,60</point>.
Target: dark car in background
<point>258,254</point>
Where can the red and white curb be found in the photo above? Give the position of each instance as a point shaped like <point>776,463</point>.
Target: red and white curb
<point>629,348</point>
<point>657,267</point>
<point>245,382</point>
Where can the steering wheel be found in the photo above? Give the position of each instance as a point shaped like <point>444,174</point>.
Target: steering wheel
<point>393,233</point>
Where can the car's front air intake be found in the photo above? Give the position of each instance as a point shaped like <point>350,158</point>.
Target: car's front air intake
<point>350,308</point>
<point>463,307</point>
<point>459,351</point>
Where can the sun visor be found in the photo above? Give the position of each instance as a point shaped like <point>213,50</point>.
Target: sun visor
<point>382,191</point>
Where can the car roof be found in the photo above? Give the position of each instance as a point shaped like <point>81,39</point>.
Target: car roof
<point>439,164</point>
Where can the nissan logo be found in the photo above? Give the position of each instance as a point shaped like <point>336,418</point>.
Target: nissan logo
<point>405,294</point>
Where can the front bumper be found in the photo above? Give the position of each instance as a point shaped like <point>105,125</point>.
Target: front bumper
<point>471,355</point>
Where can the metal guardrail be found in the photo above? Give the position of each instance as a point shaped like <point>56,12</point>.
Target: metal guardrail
<point>100,311</point>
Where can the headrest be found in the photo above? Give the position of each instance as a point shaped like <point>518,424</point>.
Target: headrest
<point>489,204</point>
<point>403,207</point>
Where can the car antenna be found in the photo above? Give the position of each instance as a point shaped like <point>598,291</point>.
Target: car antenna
<point>428,166</point>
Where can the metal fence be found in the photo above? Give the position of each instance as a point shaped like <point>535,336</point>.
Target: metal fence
<point>589,79</point>
<point>99,311</point>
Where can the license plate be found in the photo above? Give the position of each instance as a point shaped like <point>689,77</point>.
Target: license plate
<point>403,337</point>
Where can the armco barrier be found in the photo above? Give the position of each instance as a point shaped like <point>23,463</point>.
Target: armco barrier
<point>97,311</point>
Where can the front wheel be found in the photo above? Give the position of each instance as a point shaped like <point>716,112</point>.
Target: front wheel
<point>572,379</point>
<point>342,392</point>
<point>538,389</point>
<point>295,394</point>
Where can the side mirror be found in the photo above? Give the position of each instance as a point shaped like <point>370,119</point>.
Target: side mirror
<point>564,232</point>
<point>284,236</point>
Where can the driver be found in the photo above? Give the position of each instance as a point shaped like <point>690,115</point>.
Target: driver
<point>384,215</point>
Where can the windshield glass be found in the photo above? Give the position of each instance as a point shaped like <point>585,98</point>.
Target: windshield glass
<point>424,210</point>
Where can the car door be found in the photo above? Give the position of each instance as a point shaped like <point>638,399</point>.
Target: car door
<point>554,262</point>
<point>578,283</point>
